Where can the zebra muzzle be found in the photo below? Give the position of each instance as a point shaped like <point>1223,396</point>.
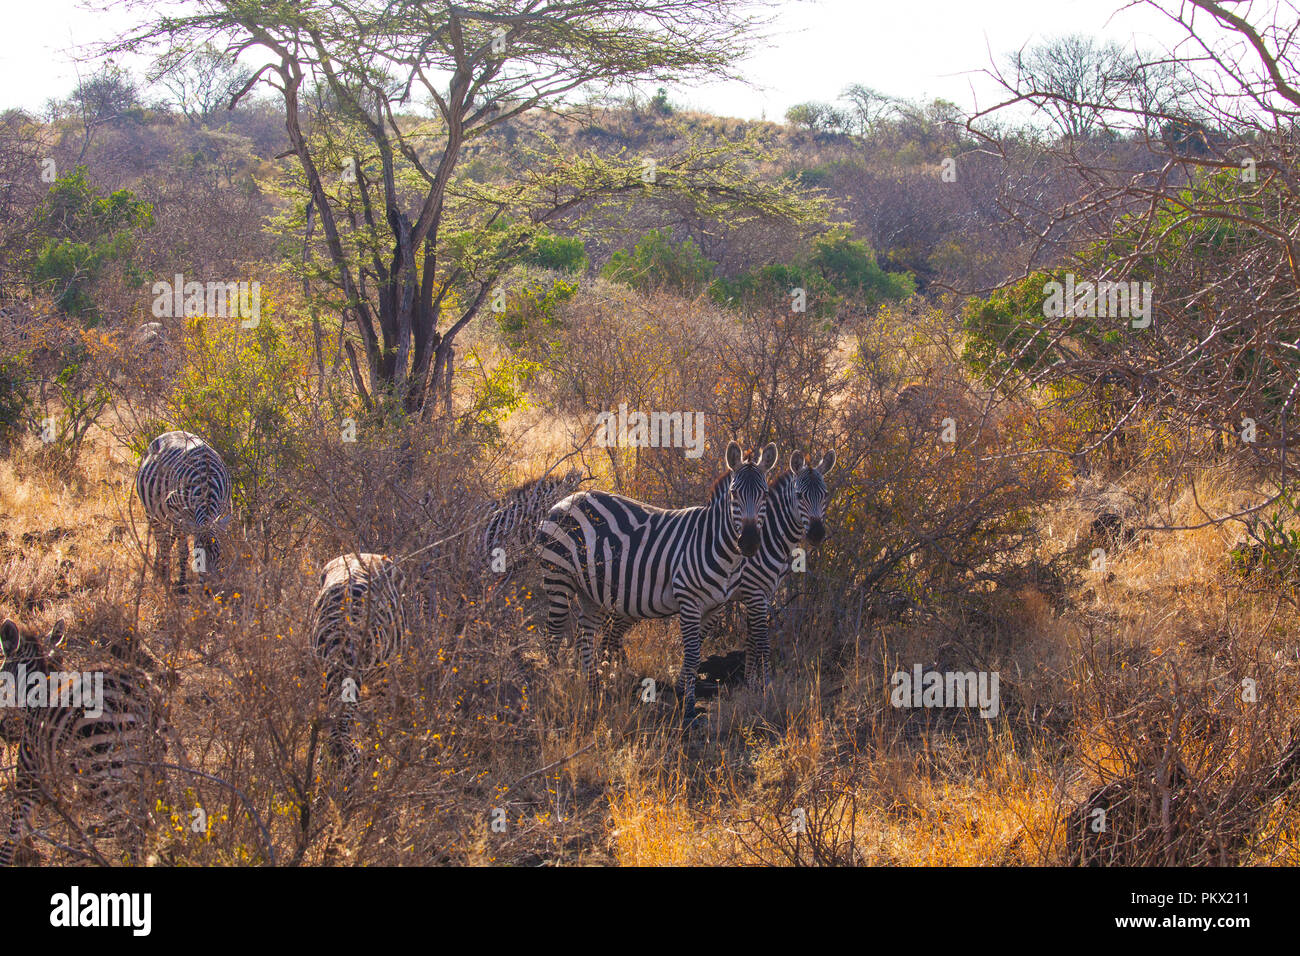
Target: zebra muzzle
<point>816,531</point>
<point>749,539</point>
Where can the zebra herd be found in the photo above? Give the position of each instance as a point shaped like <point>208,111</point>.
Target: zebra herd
<point>615,560</point>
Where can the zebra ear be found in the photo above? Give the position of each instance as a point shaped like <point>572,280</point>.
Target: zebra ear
<point>58,634</point>
<point>770,455</point>
<point>796,461</point>
<point>827,464</point>
<point>734,455</point>
<point>9,636</point>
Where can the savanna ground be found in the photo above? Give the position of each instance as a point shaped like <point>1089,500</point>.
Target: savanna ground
<point>1110,673</point>
<point>1097,511</point>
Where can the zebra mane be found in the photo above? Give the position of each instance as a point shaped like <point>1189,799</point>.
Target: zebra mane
<point>780,481</point>
<point>573,477</point>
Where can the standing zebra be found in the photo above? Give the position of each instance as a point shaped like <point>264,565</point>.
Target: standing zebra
<point>185,489</point>
<point>629,561</point>
<point>796,511</point>
<point>357,625</point>
<point>107,758</point>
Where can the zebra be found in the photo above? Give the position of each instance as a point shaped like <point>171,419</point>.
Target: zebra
<point>108,756</point>
<point>625,561</point>
<point>185,489</point>
<point>509,523</point>
<point>357,626</point>
<point>796,512</point>
<point>512,521</point>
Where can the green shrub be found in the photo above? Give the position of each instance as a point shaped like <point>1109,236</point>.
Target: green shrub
<point>243,391</point>
<point>82,232</point>
<point>656,262</point>
<point>557,253</point>
<point>532,312</point>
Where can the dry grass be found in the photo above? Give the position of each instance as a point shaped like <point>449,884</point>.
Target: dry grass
<point>477,752</point>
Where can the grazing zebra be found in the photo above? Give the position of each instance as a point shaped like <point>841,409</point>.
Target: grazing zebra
<point>509,523</point>
<point>512,521</point>
<point>106,756</point>
<point>796,512</point>
<point>185,489</point>
<point>628,561</point>
<point>357,625</point>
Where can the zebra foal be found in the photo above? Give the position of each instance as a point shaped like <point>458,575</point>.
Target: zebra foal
<point>357,625</point>
<point>105,747</point>
<point>628,561</point>
<point>185,489</point>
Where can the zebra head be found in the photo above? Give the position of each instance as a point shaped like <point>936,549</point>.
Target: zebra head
<point>810,490</point>
<point>25,645</point>
<point>747,492</point>
<point>205,537</point>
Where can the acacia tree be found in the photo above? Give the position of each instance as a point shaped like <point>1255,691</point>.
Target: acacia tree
<point>406,238</point>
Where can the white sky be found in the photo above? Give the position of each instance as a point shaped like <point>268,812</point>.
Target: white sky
<point>918,49</point>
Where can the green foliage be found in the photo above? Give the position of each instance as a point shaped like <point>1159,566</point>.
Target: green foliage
<point>244,392</point>
<point>850,266</point>
<point>1277,553</point>
<point>81,232</point>
<point>82,402</point>
<point>558,253</point>
<point>839,271</point>
<point>656,262</point>
<point>498,392</point>
<point>771,287</point>
<point>15,397</point>
<point>532,311</point>
<point>818,117</point>
<point>1005,332</point>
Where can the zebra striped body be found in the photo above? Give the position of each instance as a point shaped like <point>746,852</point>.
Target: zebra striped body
<point>185,489</point>
<point>796,510</point>
<point>108,756</point>
<point>357,626</point>
<point>512,521</point>
<point>509,523</point>
<point>628,561</point>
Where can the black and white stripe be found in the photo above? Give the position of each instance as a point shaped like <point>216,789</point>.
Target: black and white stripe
<point>185,489</point>
<point>103,762</point>
<point>796,513</point>
<point>511,522</point>
<point>627,561</point>
<point>357,627</point>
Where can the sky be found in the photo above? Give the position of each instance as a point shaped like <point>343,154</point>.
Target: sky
<point>917,50</point>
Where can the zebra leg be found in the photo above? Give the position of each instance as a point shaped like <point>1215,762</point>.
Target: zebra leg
<point>163,553</point>
<point>559,596</point>
<point>588,622</point>
<point>757,647</point>
<point>183,557</point>
<point>347,756</point>
<point>611,638</point>
<point>24,801</point>
<point>690,618</point>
